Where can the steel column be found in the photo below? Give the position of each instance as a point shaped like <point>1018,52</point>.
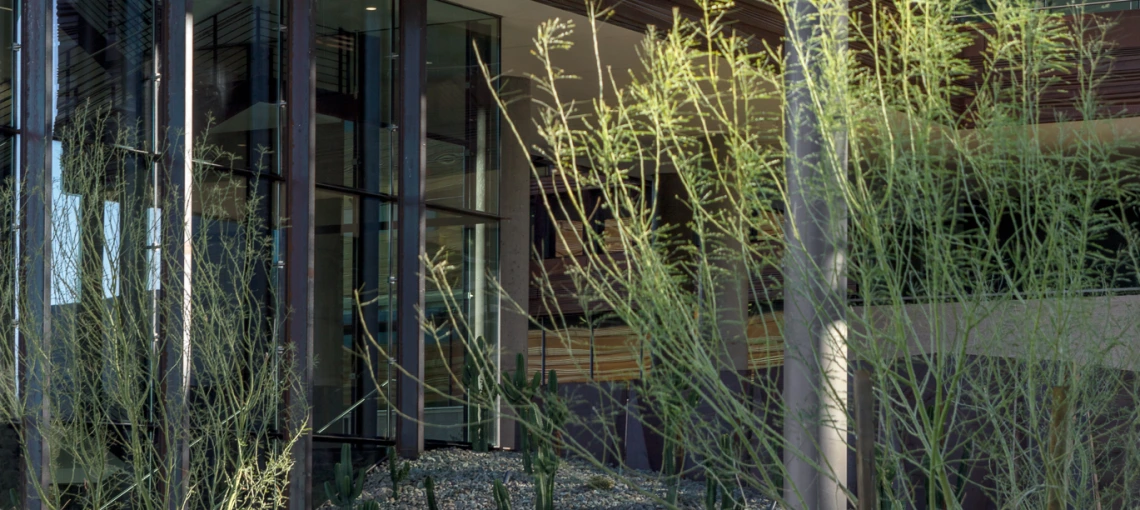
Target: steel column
<point>371,53</point>
<point>410,234</point>
<point>815,375</point>
<point>300,172</point>
<point>176,95</point>
<point>36,115</point>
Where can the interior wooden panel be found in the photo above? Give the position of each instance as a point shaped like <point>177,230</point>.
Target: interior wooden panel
<point>568,354</point>
<point>436,374</point>
<point>618,357</point>
<point>618,354</point>
<point>766,341</point>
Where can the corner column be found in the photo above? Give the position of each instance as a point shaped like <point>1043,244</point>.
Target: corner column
<point>36,115</point>
<point>411,225</point>
<point>514,236</point>
<point>300,177</point>
<point>815,282</point>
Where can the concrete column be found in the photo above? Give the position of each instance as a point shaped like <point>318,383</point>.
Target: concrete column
<point>815,331</point>
<point>731,287</point>
<point>514,231</point>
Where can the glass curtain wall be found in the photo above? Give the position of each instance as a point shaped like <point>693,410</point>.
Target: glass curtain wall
<point>358,185</point>
<point>105,85</point>
<point>462,190</point>
<point>105,96</point>
<point>103,149</point>
<point>9,132</point>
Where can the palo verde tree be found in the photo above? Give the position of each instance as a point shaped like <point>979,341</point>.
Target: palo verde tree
<point>989,247</point>
<point>111,424</point>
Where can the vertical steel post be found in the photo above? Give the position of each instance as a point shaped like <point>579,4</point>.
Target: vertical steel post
<point>299,256</point>
<point>865,441</point>
<point>410,235</point>
<point>370,131</point>
<point>36,116</point>
<point>176,181</point>
<point>815,366</point>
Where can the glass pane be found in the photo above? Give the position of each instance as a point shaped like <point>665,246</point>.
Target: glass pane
<point>237,70</point>
<point>9,440</point>
<point>7,59</point>
<point>104,56</point>
<point>355,94</point>
<point>468,248</point>
<point>335,381</point>
<point>380,237</point>
<point>462,125</point>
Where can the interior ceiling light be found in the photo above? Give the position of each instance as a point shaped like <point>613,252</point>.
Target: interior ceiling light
<point>370,8</point>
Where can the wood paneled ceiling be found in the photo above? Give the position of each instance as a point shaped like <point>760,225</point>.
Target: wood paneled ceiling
<point>749,17</point>
<point>1119,91</point>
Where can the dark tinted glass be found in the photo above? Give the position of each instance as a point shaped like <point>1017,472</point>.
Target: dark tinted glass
<point>237,70</point>
<point>105,64</point>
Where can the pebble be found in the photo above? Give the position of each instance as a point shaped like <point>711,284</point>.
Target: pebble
<point>463,480</point>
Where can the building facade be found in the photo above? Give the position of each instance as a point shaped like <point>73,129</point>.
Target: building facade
<point>369,132</point>
<point>365,129</point>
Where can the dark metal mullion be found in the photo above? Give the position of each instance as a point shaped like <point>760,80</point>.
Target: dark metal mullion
<point>388,198</point>
<point>300,207</point>
<point>175,184</point>
<point>468,301</point>
<point>464,212</point>
<point>370,93</point>
<point>470,121</point>
<point>346,190</point>
<point>250,174</point>
<point>36,69</point>
<point>410,241</point>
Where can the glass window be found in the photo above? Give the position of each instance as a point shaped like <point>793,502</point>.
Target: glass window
<point>7,59</point>
<point>104,55</point>
<point>459,305</point>
<point>462,121</point>
<point>356,43</point>
<point>335,381</point>
<point>9,445</point>
<point>237,70</point>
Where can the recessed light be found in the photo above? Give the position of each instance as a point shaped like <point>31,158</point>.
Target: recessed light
<point>370,8</point>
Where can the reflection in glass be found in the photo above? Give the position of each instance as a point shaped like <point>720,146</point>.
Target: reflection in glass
<point>335,381</point>
<point>468,247</point>
<point>355,94</point>
<point>104,52</point>
<point>237,69</point>
<point>7,60</point>
<point>463,139</point>
<point>379,310</point>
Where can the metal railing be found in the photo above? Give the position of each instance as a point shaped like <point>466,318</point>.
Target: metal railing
<point>352,408</point>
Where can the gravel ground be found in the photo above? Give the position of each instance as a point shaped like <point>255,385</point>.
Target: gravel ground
<point>463,480</point>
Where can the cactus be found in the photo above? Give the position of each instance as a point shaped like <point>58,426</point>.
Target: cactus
<point>519,393</point>
<point>715,485</point>
<point>541,427</point>
<point>369,505</point>
<point>478,393</point>
<point>347,488</point>
<point>710,492</point>
<point>546,444</point>
<point>397,471</point>
<point>429,488</point>
<point>502,497</point>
